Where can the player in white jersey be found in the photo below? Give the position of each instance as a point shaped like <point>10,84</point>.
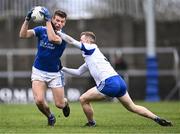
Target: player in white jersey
<point>108,82</point>
<point>98,67</point>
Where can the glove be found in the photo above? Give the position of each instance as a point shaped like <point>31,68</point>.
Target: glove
<point>28,16</point>
<point>45,12</point>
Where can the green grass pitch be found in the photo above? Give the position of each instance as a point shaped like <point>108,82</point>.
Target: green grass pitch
<point>111,117</point>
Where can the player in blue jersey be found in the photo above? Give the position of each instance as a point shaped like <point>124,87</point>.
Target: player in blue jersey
<point>46,70</point>
<point>108,82</point>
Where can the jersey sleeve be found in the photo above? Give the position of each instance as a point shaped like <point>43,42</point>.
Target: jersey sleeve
<point>78,72</point>
<point>69,39</point>
<point>38,30</point>
<point>88,49</point>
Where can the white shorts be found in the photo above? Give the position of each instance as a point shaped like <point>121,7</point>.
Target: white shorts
<point>52,79</point>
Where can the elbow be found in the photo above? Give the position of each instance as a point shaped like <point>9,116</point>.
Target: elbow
<point>79,74</point>
<point>21,35</point>
<point>51,39</point>
<point>55,40</point>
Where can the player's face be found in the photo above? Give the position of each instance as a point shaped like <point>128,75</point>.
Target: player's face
<point>84,39</point>
<point>58,22</point>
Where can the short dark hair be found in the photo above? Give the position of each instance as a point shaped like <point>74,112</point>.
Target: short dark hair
<point>60,13</point>
<point>89,34</point>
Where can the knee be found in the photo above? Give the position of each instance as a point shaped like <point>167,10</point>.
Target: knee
<point>131,108</point>
<point>39,101</point>
<point>82,99</point>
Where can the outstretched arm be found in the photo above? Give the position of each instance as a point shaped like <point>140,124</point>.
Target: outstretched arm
<point>78,72</point>
<point>70,40</point>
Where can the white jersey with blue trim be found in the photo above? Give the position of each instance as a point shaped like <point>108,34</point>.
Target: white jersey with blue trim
<point>98,65</point>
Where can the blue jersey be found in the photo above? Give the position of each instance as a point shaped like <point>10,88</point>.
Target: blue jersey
<point>48,54</point>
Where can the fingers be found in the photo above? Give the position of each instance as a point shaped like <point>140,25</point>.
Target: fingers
<point>44,11</point>
<point>46,14</point>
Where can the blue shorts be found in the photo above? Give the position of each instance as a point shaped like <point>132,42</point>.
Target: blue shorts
<point>113,86</point>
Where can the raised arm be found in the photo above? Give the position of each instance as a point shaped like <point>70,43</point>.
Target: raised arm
<point>52,36</point>
<point>78,72</point>
<point>70,40</point>
<point>25,32</point>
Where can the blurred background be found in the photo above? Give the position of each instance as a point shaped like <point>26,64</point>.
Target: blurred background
<point>128,32</point>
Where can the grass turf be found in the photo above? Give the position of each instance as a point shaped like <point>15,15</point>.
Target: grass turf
<point>110,117</point>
